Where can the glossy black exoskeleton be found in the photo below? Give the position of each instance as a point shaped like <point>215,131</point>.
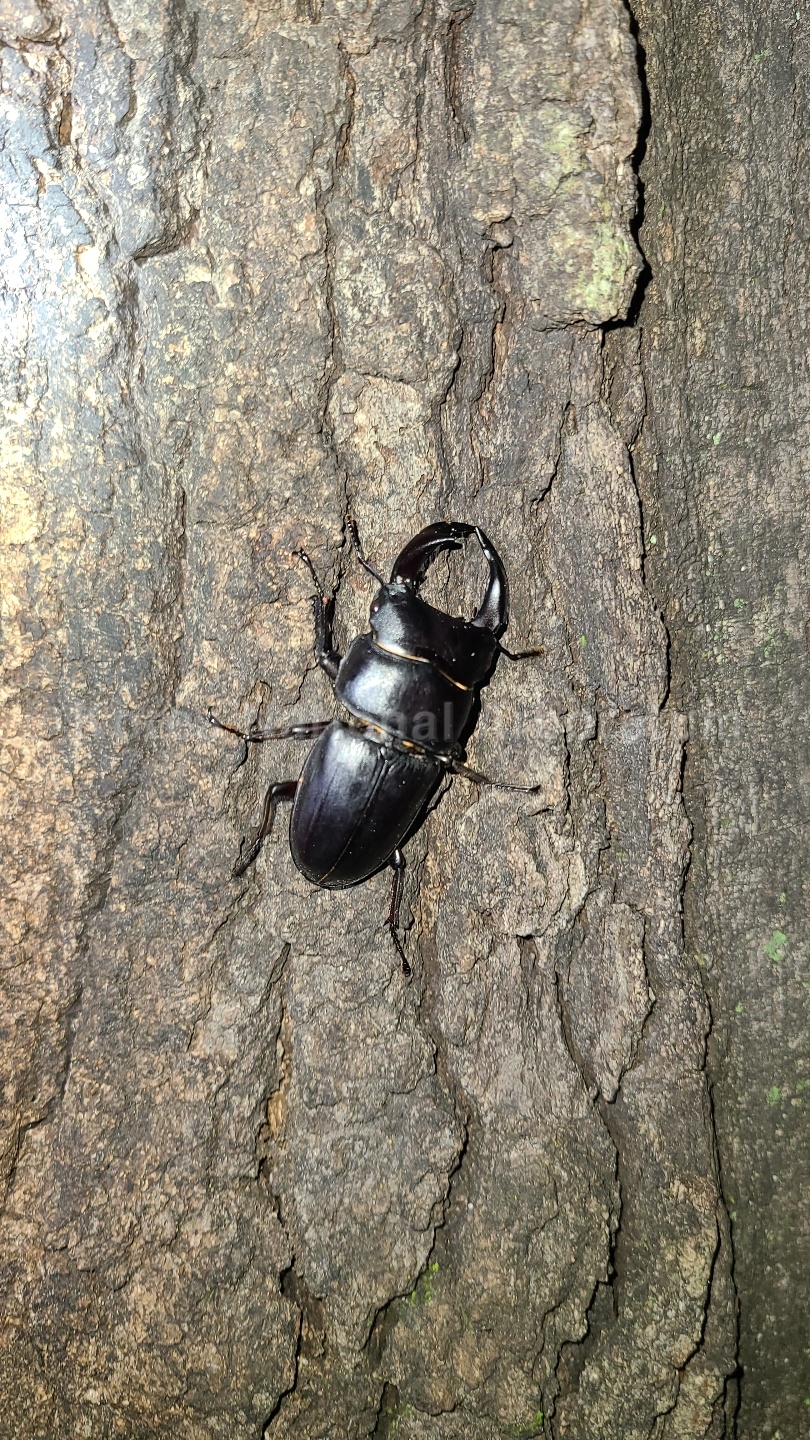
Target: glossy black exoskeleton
<point>406,693</point>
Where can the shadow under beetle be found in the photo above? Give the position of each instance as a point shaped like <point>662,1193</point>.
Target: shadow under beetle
<point>407,695</point>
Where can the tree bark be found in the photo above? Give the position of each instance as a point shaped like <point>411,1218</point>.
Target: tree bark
<point>722,470</point>
<point>266,266</point>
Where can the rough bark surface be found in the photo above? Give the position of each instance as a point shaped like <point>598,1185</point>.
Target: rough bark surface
<point>264,264</point>
<point>722,465</point>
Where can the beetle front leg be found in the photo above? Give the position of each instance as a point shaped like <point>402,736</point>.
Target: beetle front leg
<point>397,863</point>
<point>324,609</point>
<point>281,790</point>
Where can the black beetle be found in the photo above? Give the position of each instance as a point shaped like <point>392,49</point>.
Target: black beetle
<point>407,694</point>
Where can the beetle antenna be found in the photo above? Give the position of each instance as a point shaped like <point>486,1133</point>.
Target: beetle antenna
<point>358,549</point>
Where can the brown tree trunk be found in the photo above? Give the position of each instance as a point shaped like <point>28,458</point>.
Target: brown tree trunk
<point>722,470</point>
<point>266,265</point>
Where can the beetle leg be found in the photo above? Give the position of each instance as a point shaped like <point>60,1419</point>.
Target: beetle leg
<point>521,654</point>
<point>307,731</point>
<point>397,863</point>
<point>281,790</point>
<point>478,779</point>
<point>324,608</point>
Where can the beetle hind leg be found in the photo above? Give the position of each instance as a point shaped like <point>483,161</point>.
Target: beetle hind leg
<point>397,863</point>
<point>280,790</point>
<point>478,779</point>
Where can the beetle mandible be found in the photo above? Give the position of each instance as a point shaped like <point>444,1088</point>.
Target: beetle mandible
<point>406,694</point>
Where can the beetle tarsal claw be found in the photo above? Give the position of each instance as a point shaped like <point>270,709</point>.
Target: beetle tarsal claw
<point>220,725</point>
<point>406,966</point>
<point>246,857</point>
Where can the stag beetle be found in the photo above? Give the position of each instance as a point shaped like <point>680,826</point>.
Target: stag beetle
<point>407,694</point>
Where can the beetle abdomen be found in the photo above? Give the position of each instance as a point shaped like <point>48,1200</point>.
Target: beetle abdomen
<point>356,801</point>
<point>409,697</point>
